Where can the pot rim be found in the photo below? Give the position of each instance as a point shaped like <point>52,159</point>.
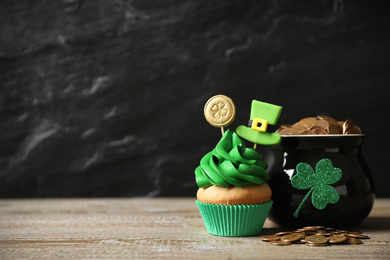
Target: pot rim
<point>322,136</point>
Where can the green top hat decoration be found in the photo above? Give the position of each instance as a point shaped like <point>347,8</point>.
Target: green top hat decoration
<point>262,115</point>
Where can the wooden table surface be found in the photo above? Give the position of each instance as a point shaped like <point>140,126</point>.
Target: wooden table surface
<point>158,228</point>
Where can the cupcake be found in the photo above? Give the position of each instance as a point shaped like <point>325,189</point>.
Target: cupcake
<point>233,197</point>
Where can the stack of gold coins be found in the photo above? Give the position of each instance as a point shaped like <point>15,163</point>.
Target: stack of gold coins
<point>320,125</point>
<point>315,236</point>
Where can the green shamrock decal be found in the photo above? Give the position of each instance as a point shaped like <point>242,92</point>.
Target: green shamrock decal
<point>318,182</point>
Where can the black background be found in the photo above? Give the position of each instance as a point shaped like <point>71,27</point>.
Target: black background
<point>105,98</point>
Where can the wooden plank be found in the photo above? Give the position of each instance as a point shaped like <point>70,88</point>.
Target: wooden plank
<point>161,228</point>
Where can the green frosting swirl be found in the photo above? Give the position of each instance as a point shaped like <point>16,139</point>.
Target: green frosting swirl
<point>231,163</point>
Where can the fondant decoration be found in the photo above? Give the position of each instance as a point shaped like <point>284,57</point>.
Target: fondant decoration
<point>231,163</point>
<point>262,115</point>
<point>220,111</point>
<point>318,182</point>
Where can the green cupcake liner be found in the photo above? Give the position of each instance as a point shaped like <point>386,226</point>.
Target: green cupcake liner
<point>234,220</point>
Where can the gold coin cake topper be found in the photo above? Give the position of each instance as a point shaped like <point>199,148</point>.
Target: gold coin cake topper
<point>220,111</point>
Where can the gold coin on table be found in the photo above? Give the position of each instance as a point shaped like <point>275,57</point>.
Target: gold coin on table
<point>323,234</point>
<point>280,243</point>
<point>282,233</point>
<point>335,239</point>
<point>361,236</point>
<point>291,237</point>
<point>220,111</point>
<point>312,228</point>
<point>316,239</point>
<point>354,232</point>
<point>270,238</point>
<point>316,244</point>
<point>353,241</point>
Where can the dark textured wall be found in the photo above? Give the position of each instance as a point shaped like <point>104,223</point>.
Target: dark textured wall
<point>105,98</point>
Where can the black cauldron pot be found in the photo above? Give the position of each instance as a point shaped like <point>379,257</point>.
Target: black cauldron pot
<point>294,207</point>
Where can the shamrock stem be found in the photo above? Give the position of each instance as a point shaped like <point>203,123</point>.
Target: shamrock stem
<point>303,201</point>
